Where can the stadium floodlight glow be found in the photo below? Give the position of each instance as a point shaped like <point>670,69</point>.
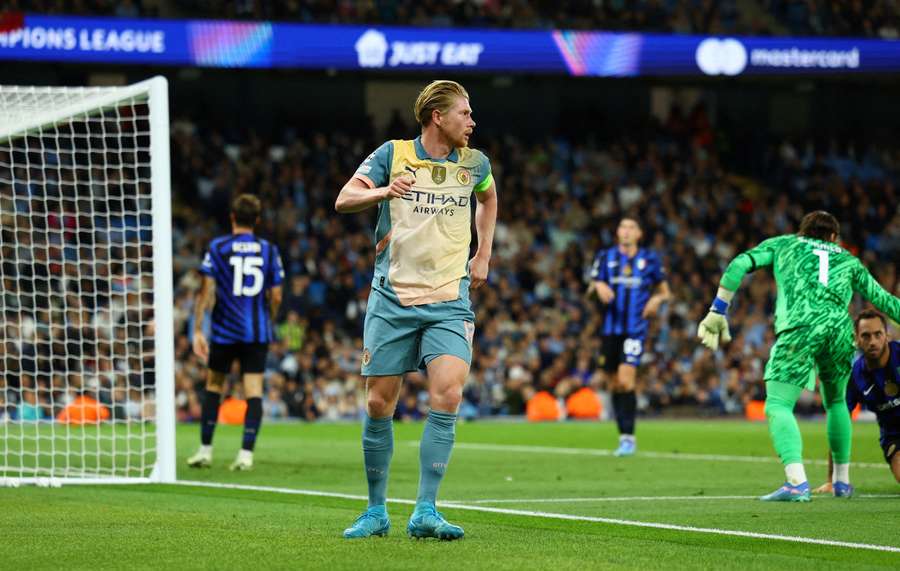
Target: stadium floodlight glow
<point>86,285</point>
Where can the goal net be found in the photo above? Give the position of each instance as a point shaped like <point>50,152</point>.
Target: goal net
<point>86,344</point>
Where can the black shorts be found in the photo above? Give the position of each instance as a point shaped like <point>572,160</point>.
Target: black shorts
<point>890,446</point>
<point>616,350</point>
<point>251,355</point>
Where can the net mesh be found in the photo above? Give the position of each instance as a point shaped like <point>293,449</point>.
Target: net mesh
<point>76,288</point>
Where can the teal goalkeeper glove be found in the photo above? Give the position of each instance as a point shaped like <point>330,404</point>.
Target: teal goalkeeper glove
<point>713,328</point>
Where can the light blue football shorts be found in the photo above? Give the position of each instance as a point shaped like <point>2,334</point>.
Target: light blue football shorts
<point>400,339</point>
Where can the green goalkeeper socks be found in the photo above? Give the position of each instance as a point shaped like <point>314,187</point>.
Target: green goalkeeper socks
<point>839,425</point>
<point>378,447</point>
<point>783,428</point>
<point>434,453</point>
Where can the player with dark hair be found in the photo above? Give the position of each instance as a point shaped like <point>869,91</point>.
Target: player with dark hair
<point>242,276</point>
<point>816,279</point>
<point>875,384</point>
<point>625,277</point>
<point>419,315</point>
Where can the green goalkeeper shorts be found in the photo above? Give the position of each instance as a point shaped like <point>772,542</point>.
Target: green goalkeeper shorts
<point>399,339</point>
<point>799,354</point>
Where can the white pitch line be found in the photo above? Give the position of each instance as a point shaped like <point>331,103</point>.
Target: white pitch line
<point>660,455</point>
<point>559,516</point>
<point>631,499</point>
<point>606,499</point>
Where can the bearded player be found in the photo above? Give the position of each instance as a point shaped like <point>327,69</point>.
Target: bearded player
<point>875,383</point>
<point>418,315</point>
<point>816,279</point>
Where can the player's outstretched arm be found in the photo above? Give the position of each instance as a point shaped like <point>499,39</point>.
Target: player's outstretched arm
<point>714,327</point>
<point>485,223</point>
<point>869,288</point>
<point>356,195</point>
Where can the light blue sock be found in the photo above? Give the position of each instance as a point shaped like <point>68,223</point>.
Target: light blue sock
<point>434,453</point>
<point>378,447</point>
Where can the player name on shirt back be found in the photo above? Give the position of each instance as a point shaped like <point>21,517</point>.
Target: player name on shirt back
<point>246,247</point>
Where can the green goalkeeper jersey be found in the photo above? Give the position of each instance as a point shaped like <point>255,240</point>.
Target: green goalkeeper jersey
<point>815,280</point>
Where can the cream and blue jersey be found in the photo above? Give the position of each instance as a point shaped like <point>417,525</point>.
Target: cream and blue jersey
<point>245,268</point>
<point>423,238</point>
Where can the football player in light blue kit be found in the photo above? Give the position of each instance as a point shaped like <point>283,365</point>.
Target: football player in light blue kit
<point>418,315</point>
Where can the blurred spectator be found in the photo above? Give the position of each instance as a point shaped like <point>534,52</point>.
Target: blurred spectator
<point>29,409</point>
<point>79,319</point>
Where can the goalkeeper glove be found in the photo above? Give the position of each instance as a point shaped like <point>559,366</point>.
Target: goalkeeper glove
<point>714,327</point>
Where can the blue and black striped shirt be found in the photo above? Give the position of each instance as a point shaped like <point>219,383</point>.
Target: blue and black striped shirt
<point>632,280</point>
<point>879,391</point>
<point>244,267</point>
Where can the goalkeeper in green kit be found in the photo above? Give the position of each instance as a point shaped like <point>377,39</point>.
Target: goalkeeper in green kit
<point>816,279</point>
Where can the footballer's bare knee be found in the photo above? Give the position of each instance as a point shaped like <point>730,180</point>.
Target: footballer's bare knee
<point>895,466</point>
<point>624,379</point>
<point>381,396</point>
<point>215,382</point>
<point>253,386</point>
<point>446,377</point>
<point>446,398</point>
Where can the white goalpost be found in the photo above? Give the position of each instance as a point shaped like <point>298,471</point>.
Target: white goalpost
<point>86,329</point>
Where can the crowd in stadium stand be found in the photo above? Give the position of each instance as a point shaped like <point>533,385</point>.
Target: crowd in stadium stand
<point>560,201</point>
<point>865,18</point>
<point>536,330</point>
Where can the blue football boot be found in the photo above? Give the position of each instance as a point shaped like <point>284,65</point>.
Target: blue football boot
<point>842,490</point>
<point>426,521</point>
<point>627,447</point>
<point>373,521</point>
<point>789,493</point>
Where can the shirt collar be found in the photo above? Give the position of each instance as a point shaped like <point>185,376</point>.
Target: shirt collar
<point>423,154</point>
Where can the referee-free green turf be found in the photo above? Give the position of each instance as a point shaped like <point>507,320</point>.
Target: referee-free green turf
<point>550,468</point>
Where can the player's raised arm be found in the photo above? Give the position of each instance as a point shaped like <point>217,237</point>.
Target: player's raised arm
<point>868,287</point>
<point>485,222</point>
<point>714,327</point>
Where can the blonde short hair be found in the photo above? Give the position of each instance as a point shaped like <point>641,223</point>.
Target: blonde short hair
<point>438,95</point>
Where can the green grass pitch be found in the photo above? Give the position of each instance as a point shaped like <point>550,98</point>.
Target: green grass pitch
<point>523,468</point>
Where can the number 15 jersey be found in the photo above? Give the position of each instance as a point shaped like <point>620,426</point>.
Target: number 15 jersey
<point>815,279</point>
<point>245,268</point>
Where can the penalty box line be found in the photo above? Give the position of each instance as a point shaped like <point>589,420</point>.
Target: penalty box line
<point>557,516</point>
